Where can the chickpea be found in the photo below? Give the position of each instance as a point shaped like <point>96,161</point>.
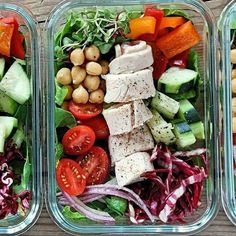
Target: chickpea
<point>91,82</point>
<point>77,57</point>
<point>69,93</point>
<point>233,56</point>
<point>105,67</point>
<point>65,105</point>
<point>234,85</point>
<point>93,68</point>
<point>92,53</point>
<point>234,105</point>
<point>234,124</point>
<point>63,76</point>
<point>80,95</point>
<point>96,96</point>
<point>233,73</point>
<point>78,74</point>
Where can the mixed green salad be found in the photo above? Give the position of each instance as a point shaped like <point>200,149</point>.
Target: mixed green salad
<point>15,166</point>
<point>129,137</point>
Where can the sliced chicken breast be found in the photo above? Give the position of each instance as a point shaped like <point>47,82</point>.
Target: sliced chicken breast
<point>141,113</point>
<point>139,139</point>
<point>131,58</point>
<point>129,169</point>
<point>123,118</point>
<point>129,87</point>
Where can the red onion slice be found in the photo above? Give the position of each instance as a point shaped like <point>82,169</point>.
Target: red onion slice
<point>142,205</point>
<point>90,213</point>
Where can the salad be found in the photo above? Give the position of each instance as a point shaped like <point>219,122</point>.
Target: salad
<point>14,96</point>
<point>129,135</point>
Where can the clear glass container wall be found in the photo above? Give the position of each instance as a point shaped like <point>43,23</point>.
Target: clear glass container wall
<point>204,21</point>
<point>228,162</point>
<point>14,225</point>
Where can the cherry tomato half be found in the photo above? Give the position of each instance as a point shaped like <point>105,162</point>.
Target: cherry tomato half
<point>70,177</point>
<point>99,126</point>
<point>78,140</point>
<point>85,111</point>
<point>95,165</point>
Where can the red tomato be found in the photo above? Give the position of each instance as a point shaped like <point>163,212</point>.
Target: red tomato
<point>99,126</point>
<point>85,111</point>
<point>95,165</point>
<point>70,177</point>
<point>78,140</point>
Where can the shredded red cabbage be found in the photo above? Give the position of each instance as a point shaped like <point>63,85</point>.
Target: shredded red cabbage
<point>10,202</point>
<point>176,184</point>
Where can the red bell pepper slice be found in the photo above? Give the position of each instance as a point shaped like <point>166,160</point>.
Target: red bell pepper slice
<point>158,14</point>
<point>6,32</point>
<point>179,60</point>
<point>17,48</point>
<point>160,61</point>
<point>10,20</point>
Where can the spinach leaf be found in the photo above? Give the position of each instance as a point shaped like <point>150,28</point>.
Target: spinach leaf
<point>60,95</point>
<point>116,204</point>
<point>21,114</point>
<point>64,118</point>
<point>172,11</point>
<point>72,215</point>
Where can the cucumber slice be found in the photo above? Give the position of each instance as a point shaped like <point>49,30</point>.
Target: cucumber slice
<point>188,112</point>
<point>7,104</point>
<point>16,84</point>
<point>177,80</point>
<point>2,67</point>
<point>165,105</point>
<point>198,130</point>
<point>187,95</point>
<point>9,123</point>
<point>160,129</point>
<point>183,133</point>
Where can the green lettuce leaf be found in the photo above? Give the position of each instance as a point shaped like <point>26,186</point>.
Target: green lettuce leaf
<point>58,152</point>
<point>233,20</point>
<point>61,92</point>
<point>25,174</point>
<point>72,215</point>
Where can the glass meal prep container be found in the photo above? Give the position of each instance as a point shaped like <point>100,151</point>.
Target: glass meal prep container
<point>227,41</point>
<point>19,223</point>
<point>204,22</point>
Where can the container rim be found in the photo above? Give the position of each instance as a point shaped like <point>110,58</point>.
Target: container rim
<point>211,212</point>
<point>227,178</point>
<point>36,206</point>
